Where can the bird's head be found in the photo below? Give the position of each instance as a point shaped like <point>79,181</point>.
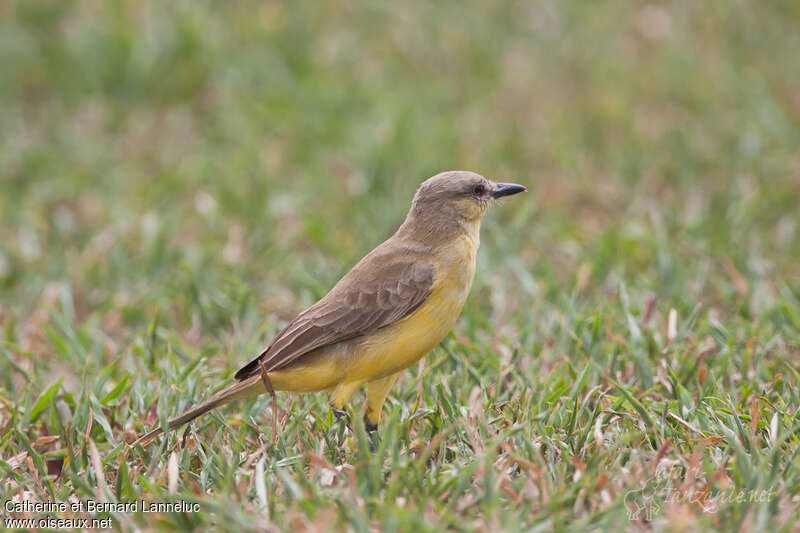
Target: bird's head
<point>453,202</point>
<point>459,195</point>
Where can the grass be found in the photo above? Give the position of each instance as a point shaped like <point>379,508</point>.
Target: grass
<point>177,180</point>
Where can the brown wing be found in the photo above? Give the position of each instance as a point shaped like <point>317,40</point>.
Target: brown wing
<point>384,287</point>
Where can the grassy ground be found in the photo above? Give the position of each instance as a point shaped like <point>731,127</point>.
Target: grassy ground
<point>177,180</point>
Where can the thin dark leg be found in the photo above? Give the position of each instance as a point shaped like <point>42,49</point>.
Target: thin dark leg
<point>373,435</point>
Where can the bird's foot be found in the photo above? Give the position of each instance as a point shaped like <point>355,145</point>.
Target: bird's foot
<point>341,414</point>
<point>373,435</point>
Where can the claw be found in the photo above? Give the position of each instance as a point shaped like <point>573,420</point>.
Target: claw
<point>373,436</point>
<point>342,415</point>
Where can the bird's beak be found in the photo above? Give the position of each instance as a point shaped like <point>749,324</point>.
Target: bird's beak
<point>507,189</point>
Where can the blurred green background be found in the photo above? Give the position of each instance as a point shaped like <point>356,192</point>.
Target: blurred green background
<point>139,137</point>
<point>219,166</point>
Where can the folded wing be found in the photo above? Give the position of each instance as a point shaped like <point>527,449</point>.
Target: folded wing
<point>386,286</point>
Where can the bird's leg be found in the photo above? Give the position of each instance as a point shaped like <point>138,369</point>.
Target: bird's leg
<point>271,390</point>
<point>376,395</point>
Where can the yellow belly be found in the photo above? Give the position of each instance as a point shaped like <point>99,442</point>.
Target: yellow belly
<point>395,347</point>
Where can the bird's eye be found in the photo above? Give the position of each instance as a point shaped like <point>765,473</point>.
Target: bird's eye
<point>479,190</point>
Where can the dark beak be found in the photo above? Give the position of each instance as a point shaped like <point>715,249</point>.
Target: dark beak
<point>507,189</point>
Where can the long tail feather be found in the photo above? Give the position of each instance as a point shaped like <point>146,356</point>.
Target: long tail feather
<point>252,386</point>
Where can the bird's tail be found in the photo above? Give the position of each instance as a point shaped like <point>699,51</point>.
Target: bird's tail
<point>246,388</point>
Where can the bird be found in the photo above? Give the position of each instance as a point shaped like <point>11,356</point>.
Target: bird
<point>394,306</point>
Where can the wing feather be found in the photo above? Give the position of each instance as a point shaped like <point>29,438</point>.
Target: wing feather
<point>384,287</point>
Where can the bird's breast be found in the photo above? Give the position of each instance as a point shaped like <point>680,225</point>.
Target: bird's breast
<point>402,344</point>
